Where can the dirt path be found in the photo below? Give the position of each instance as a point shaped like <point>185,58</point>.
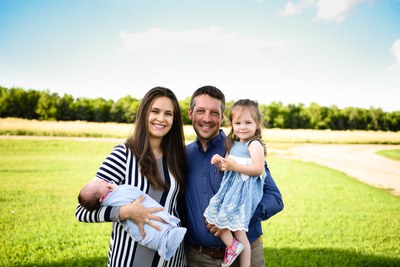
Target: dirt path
<point>358,161</point>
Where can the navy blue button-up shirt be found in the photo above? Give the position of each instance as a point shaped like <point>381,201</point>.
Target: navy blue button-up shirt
<point>203,181</point>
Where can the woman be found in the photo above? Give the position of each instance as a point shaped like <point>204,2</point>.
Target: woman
<point>153,159</point>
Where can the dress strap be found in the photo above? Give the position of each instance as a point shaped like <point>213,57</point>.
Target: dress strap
<point>257,139</point>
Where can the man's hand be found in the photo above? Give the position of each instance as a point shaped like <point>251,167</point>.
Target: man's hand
<point>214,229</point>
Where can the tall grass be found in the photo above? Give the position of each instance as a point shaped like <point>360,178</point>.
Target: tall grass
<point>329,219</point>
<point>17,126</point>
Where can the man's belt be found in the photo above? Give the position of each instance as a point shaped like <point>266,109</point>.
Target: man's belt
<point>218,253</point>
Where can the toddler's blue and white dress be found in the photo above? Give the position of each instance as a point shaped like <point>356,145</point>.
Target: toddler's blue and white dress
<point>238,196</point>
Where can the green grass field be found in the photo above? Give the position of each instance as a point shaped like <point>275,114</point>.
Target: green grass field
<point>391,154</point>
<point>329,218</point>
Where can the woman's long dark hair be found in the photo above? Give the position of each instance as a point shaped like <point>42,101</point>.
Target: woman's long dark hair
<point>173,143</point>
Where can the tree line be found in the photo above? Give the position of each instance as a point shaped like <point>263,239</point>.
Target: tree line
<point>44,105</point>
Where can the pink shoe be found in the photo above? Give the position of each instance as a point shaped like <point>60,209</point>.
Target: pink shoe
<point>232,252</point>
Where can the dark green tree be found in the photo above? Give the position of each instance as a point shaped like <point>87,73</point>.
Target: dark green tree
<point>65,108</point>
<point>46,108</point>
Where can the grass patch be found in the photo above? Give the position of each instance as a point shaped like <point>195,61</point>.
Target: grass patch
<point>329,218</point>
<point>40,182</point>
<point>391,154</point>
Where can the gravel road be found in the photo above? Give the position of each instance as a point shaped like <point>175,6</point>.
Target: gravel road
<point>358,161</point>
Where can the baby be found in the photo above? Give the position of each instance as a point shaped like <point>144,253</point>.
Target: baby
<point>166,241</point>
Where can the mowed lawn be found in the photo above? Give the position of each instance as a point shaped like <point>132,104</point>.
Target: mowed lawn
<point>329,218</point>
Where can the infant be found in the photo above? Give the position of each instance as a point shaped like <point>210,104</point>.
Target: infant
<point>166,241</point>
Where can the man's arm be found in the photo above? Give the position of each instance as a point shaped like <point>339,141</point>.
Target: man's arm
<point>271,202</point>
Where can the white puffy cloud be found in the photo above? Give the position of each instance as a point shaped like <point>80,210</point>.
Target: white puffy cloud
<point>336,10</point>
<point>292,8</point>
<point>214,39</point>
<point>395,51</point>
<point>328,10</point>
<point>213,55</point>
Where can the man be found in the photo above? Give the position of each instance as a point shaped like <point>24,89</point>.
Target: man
<point>207,107</point>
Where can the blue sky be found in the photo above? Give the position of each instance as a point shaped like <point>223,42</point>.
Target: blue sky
<point>332,52</point>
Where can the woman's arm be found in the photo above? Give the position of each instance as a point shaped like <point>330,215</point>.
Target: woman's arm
<point>103,214</point>
<point>112,169</point>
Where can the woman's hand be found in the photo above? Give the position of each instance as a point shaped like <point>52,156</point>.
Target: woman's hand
<point>140,215</point>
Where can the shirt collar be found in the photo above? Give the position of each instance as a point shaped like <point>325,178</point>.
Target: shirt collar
<point>216,141</point>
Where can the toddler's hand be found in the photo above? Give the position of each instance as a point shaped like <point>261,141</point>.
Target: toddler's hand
<point>216,159</point>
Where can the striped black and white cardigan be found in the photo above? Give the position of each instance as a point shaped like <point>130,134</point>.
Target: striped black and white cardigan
<point>121,167</point>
